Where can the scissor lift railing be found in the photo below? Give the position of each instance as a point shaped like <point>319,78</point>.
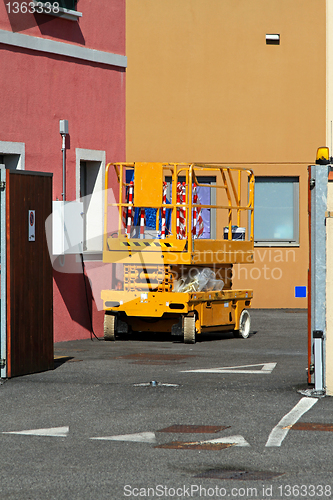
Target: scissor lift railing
<point>152,258</point>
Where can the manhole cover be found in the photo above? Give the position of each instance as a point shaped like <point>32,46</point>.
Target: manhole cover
<point>304,426</point>
<point>241,475</point>
<point>180,445</point>
<point>195,429</point>
<point>155,359</point>
<point>153,383</point>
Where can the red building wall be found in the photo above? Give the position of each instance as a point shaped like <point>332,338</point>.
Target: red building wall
<point>38,89</point>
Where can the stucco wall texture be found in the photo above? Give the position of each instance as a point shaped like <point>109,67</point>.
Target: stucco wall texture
<point>203,86</point>
<point>39,89</point>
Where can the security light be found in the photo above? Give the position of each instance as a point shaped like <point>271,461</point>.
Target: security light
<point>63,127</point>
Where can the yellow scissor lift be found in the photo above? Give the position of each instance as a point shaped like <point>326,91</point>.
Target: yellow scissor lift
<point>149,267</point>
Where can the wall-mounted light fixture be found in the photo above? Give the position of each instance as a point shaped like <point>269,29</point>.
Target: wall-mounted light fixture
<point>272,39</point>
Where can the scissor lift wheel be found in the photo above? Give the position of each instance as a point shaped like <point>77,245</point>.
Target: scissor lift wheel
<point>109,327</point>
<point>189,330</point>
<point>244,325</point>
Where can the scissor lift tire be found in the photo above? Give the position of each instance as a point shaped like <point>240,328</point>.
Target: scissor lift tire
<point>109,327</point>
<point>189,330</point>
<point>244,325</point>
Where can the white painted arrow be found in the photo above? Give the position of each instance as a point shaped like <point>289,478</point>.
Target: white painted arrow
<point>236,440</point>
<point>52,432</point>
<point>141,437</point>
<point>266,368</point>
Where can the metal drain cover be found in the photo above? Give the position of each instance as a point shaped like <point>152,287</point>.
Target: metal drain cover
<point>143,358</point>
<point>180,445</point>
<point>153,383</point>
<point>194,429</point>
<point>303,426</point>
<point>241,475</point>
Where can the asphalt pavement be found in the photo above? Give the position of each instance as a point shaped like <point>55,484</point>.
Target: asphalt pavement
<point>151,417</point>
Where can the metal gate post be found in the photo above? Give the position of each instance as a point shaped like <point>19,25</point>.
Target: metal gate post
<point>3,278</point>
<point>319,179</point>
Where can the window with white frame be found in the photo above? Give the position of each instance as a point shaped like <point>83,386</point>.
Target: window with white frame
<point>65,4</point>
<point>62,8</point>
<point>90,173</point>
<point>276,210</point>
<point>12,155</point>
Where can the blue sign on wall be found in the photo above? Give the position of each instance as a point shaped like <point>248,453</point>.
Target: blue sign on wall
<point>300,292</point>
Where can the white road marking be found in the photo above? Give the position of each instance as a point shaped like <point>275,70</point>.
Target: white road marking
<point>236,440</point>
<point>266,368</point>
<point>282,428</point>
<point>53,432</point>
<point>141,437</point>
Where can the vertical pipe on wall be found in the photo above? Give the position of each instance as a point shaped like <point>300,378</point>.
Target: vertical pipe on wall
<point>63,129</point>
<point>63,149</point>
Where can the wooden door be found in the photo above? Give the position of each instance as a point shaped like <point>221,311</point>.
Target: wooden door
<point>29,273</point>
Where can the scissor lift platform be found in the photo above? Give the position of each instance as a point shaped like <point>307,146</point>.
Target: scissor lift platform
<point>172,225</point>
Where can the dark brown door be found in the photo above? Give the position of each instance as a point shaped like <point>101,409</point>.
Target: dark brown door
<point>29,273</point>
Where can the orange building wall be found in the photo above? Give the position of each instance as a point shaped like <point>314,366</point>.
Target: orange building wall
<point>203,86</point>
<point>278,269</point>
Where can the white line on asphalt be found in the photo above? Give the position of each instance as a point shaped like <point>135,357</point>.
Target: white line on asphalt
<point>266,368</point>
<point>141,437</point>
<point>236,440</point>
<point>282,428</point>
<point>53,432</point>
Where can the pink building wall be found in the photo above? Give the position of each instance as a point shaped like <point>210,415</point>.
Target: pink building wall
<point>38,89</point>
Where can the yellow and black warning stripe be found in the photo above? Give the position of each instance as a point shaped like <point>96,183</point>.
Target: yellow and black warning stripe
<point>158,244</point>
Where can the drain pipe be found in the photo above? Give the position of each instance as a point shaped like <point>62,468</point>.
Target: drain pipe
<point>63,125</point>
<point>63,129</point>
